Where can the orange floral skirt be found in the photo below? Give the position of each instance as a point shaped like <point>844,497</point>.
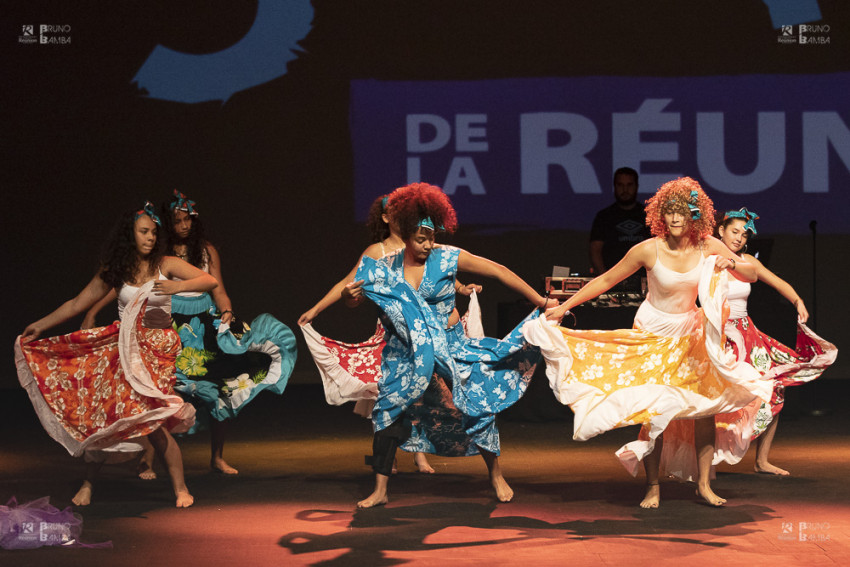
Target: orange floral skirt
<point>85,397</point>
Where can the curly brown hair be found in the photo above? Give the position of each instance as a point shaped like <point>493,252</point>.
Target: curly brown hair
<point>378,229</point>
<point>412,203</point>
<point>677,196</point>
<point>120,259</point>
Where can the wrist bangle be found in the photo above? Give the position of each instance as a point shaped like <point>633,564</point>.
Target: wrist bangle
<point>733,263</point>
<point>227,311</point>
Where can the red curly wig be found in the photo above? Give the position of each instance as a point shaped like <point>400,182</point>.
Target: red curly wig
<point>676,196</point>
<point>412,203</point>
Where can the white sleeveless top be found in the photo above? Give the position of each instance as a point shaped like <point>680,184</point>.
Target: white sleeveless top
<point>737,297</point>
<point>158,311</point>
<point>671,291</point>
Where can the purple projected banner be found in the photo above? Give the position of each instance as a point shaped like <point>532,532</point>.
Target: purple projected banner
<point>540,152</point>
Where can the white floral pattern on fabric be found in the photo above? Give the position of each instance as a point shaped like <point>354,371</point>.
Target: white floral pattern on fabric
<point>487,375</point>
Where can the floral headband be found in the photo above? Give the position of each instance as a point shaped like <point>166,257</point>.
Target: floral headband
<point>148,210</point>
<point>748,216</point>
<point>183,203</point>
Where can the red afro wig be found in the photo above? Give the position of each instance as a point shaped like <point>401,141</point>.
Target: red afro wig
<point>683,195</point>
<point>412,203</point>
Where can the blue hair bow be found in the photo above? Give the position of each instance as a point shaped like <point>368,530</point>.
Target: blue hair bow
<point>748,216</point>
<point>148,210</point>
<point>693,205</point>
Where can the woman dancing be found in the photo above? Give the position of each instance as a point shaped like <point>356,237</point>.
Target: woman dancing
<point>350,372</point>
<point>223,364</point>
<point>93,389</point>
<point>672,365</point>
<point>786,367</point>
<point>414,289</point>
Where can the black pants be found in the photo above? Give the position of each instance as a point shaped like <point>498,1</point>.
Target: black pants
<point>386,442</point>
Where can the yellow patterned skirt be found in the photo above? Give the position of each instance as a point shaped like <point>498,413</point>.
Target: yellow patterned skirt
<point>670,367</point>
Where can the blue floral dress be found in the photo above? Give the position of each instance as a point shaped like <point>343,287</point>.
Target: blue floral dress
<point>487,375</point>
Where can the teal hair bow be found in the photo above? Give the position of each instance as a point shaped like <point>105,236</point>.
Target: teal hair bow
<point>148,210</point>
<point>748,216</point>
<point>693,205</point>
<point>183,203</point>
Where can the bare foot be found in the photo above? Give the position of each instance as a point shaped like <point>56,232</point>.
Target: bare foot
<point>219,465</point>
<point>767,468</point>
<point>422,462</point>
<point>709,496</point>
<point>184,499</point>
<point>145,471</point>
<point>652,498</point>
<point>504,493</point>
<point>377,498</point>
<point>83,496</point>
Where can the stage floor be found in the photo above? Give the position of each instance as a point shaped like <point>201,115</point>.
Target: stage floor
<point>301,472</point>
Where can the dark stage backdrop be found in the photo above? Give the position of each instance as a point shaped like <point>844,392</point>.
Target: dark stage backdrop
<point>246,106</point>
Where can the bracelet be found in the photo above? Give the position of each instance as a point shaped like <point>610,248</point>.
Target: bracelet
<point>227,311</point>
<point>733,263</point>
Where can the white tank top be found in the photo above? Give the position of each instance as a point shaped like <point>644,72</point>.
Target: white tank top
<point>158,311</point>
<point>671,291</point>
<point>738,293</point>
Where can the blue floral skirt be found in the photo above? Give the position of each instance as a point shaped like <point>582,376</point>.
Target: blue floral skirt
<point>222,368</point>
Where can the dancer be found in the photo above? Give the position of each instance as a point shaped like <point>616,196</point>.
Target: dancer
<point>414,288</point>
<point>786,367</point>
<point>123,374</point>
<point>224,364</point>
<point>672,365</point>
<point>350,372</point>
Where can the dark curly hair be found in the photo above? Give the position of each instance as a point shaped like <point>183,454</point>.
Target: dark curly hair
<point>120,260</point>
<point>410,204</point>
<point>378,229</point>
<point>196,243</point>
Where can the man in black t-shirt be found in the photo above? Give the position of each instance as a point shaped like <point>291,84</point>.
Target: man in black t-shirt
<point>620,226</point>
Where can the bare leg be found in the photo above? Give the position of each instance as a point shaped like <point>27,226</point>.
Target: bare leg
<point>83,496</point>
<point>168,450</point>
<point>218,431</point>
<point>379,495</point>
<point>145,470</point>
<point>504,492</point>
<point>652,464</point>
<point>763,445</point>
<point>704,441</point>
<point>422,463</point>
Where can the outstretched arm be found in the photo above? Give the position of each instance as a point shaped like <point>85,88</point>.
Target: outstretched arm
<point>346,288</point>
<point>329,299</point>
<point>89,319</point>
<point>483,267</point>
<point>740,268</point>
<point>784,288</point>
<point>637,257</point>
<point>95,290</point>
<point>219,294</point>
